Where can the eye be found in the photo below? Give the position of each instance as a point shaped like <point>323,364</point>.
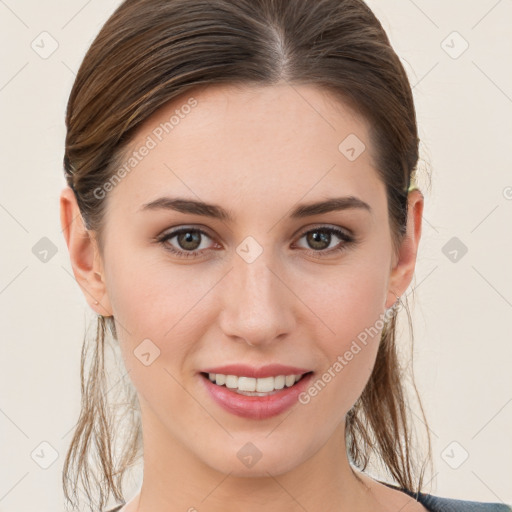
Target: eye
<point>189,241</point>
<point>321,238</point>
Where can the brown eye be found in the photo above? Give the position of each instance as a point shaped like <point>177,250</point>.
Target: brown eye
<point>188,242</point>
<point>320,239</point>
<point>317,239</point>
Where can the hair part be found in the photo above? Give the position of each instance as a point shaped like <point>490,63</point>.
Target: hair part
<point>151,52</point>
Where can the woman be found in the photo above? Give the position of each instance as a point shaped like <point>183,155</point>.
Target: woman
<point>242,216</point>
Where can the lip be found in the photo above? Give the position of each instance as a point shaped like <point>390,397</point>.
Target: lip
<point>256,407</point>
<point>270,370</point>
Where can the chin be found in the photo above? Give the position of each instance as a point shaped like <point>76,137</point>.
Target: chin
<point>258,458</point>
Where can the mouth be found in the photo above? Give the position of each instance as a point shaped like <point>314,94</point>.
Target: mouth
<point>251,386</point>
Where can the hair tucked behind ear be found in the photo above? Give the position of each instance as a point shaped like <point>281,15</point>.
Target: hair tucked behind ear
<point>151,52</point>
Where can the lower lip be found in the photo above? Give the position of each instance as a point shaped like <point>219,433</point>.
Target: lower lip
<point>256,407</point>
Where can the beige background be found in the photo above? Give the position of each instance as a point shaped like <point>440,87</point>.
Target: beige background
<point>463,312</point>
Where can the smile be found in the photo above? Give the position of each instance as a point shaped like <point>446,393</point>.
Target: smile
<point>251,386</point>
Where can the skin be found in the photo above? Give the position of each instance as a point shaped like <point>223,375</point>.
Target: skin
<point>258,152</point>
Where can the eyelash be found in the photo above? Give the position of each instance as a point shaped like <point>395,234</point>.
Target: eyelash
<point>346,238</point>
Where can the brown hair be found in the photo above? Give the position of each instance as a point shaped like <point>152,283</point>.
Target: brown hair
<point>152,51</point>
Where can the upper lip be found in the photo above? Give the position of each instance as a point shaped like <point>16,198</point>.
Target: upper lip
<point>243,370</point>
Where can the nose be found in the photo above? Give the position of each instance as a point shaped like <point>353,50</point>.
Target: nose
<point>257,304</point>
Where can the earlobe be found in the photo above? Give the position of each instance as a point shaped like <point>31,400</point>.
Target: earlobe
<point>84,254</point>
<point>403,271</point>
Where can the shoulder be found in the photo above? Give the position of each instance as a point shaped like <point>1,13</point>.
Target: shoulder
<point>439,504</point>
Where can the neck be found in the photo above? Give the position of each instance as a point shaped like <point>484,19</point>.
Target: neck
<point>176,479</point>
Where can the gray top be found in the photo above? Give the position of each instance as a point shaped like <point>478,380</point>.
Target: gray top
<point>437,504</point>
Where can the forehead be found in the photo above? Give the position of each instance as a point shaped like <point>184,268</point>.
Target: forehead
<point>259,144</point>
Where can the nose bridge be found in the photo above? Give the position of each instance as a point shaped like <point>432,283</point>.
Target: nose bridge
<point>255,280</point>
<point>256,303</point>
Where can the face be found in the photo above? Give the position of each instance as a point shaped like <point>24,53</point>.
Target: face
<point>265,281</point>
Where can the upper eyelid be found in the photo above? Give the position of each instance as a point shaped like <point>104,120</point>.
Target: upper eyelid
<point>176,231</point>
<point>325,226</point>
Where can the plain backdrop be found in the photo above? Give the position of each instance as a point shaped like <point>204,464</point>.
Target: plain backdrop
<point>458,56</point>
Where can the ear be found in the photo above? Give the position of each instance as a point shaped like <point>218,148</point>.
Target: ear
<point>405,261</point>
<point>84,254</point>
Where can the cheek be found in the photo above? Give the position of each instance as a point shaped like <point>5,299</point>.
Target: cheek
<point>151,306</point>
<point>350,358</point>
<point>151,298</point>
<point>348,301</point>
<point>353,310</point>
<point>156,309</point>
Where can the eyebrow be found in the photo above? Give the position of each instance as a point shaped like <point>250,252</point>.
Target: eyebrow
<point>214,211</point>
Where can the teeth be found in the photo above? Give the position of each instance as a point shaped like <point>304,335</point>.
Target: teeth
<point>289,380</point>
<point>252,386</point>
<point>279,382</point>
<point>219,379</point>
<point>231,381</point>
